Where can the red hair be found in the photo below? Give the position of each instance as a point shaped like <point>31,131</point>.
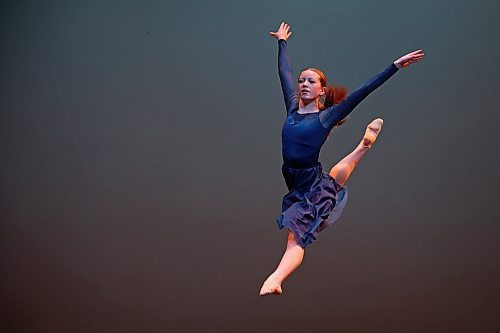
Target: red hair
<point>333,95</point>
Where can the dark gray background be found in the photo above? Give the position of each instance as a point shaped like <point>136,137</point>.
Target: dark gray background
<point>140,167</point>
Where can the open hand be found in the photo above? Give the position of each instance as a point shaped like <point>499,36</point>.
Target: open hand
<point>282,33</point>
<point>409,58</point>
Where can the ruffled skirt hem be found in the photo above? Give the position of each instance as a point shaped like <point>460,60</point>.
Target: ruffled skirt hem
<point>314,202</point>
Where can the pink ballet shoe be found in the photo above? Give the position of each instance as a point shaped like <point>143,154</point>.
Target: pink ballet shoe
<point>372,131</point>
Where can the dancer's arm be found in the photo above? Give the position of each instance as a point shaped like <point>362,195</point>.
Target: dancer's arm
<point>338,112</point>
<point>284,65</point>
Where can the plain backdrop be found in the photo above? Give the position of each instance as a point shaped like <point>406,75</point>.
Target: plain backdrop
<point>140,167</point>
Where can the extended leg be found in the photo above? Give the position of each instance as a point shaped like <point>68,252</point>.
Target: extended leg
<point>343,170</point>
<point>291,260</point>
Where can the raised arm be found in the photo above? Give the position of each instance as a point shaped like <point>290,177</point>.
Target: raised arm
<point>284,65</point>
<point>336,113</point>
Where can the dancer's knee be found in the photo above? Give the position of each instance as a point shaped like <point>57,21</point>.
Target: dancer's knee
<point>291,239</point>
<point>340,173</point>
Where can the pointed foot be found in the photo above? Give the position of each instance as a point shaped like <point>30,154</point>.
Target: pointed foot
<point>270,288</point>
<point>372,131</point>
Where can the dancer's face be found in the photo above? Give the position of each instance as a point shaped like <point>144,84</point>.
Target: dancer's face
<point>310,85</point>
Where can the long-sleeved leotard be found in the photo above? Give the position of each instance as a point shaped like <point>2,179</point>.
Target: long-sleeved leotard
<point>303,135</point>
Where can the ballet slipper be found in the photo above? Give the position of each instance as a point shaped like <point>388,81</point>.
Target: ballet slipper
<point>372,131</point>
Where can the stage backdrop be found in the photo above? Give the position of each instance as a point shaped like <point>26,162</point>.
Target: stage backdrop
<point>140,174</point>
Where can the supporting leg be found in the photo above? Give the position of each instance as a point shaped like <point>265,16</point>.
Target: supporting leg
<point>292,258</point>
<point>294,254</point>
<point>343,170</point>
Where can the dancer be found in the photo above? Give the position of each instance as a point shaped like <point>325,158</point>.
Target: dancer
<point>316,199</point>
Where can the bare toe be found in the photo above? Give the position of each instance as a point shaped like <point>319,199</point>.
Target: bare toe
<point>270,287</point>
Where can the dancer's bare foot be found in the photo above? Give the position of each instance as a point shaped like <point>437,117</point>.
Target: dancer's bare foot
<point>372,131</point>
<point>270,286</point>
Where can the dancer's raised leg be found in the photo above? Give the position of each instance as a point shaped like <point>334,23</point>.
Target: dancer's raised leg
<point>294,254</point>
<point>343,170</point>
<point>291,260</point>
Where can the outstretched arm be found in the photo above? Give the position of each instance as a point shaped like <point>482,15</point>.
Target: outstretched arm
<point>409,58</point>
<point>338,112</point>
<point>284,65</point>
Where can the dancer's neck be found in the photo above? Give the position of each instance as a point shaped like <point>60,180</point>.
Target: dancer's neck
<point>308,107</point>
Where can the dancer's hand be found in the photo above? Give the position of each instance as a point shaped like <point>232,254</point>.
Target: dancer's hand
<point>409,58</point>
<point>282,33</point>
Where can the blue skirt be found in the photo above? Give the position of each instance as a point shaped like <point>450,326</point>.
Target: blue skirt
<point>314,202</point>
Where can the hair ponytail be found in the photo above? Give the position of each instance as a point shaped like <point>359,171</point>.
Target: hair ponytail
<point>334,95</point>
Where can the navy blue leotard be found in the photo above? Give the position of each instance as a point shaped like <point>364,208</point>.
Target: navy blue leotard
<point>304,134</point>
<point>315,200</point>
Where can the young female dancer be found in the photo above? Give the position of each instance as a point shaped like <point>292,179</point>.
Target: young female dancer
<point>316,199</point>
